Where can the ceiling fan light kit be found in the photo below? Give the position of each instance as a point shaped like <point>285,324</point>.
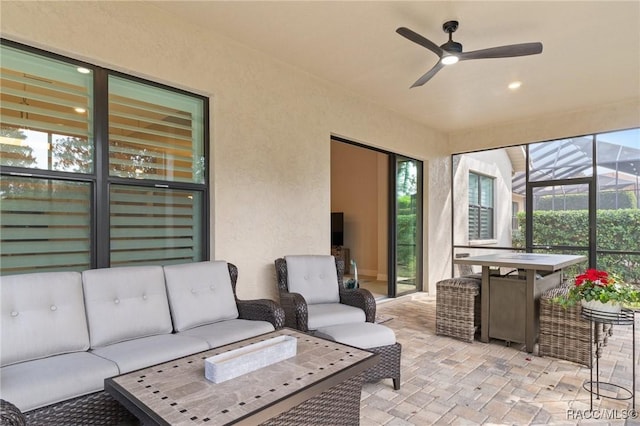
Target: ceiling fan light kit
<point>451,51</point>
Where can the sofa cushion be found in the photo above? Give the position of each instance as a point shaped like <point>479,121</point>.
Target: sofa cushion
<point>225,332</point>
<point>42,314</point>
<point>125,303</point>
<point>328,314</point>
<point>38,383</point>
<point>147,351</point>
<point>314,277</point>
<point>199,293</point>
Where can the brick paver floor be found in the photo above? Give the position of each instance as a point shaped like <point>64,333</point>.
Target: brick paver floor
<point>447,381</point>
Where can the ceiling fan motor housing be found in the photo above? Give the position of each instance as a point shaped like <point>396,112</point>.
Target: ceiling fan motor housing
<point>450,27</point>
<point>452,46</point>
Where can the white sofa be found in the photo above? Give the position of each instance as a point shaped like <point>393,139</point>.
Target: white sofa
<point>63,333</point>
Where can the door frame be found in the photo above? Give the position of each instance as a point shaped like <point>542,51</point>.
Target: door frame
<point>391,220</point>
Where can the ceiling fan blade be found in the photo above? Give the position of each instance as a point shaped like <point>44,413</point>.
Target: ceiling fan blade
<point>422,80</point>
<point>417,38</point>
<point>509,51</point>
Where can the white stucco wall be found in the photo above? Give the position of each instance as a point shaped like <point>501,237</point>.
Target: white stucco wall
<point>270,123</point>
<point>495,164</point>
<point>271,127</point>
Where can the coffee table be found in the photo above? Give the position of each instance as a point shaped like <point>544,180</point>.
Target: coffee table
<point>321,384</point>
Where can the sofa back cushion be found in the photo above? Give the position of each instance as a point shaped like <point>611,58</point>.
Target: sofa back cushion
<point>200,293</point>
<point>125,303</point>
<point>42,315</point>
<point>314,277</point>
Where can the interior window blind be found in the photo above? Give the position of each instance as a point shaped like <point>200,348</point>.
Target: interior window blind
<point>154,133</point>
<point>45,225</point>
<point>46,115</point>
<point>154,225</point>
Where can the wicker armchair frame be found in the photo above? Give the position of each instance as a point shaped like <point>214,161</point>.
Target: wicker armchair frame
<point>100,408</point>
<point>295,307</point>
<point>563,332</point>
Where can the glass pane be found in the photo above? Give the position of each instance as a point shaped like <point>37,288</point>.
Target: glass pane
<point>474,223</point>
<point>561,159</point>
<point>560,216</point>
<point>155,133</point>
<point>486,191</point>
<point>474,188</point>
<point>627,266</point>
<point>618,201</point>
<point>486,224</point>
<point>46,113</point>
<point>46,225</point>
<point>155,225</point>
<point>407,226</point>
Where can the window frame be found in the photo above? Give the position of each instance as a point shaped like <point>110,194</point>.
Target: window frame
<point>100,179</point>
<point>480,208</point>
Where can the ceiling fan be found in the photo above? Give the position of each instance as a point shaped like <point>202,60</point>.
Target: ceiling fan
<point>451,52</point>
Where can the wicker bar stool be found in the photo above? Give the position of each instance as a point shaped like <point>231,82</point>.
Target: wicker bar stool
<point>458,307</point>
<point>563,332</point>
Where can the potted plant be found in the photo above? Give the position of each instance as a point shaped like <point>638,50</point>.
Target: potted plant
<point>601,291</point>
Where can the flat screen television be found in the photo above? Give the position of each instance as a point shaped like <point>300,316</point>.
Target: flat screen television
<point>337,229</point>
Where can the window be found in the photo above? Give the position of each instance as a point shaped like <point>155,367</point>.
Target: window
<point>480,207</point>
<point>97,168</point>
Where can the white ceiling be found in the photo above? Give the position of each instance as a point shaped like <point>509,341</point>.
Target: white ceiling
<point>591,52</point>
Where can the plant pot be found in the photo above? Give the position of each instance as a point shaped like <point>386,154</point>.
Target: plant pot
<point>596,305</point>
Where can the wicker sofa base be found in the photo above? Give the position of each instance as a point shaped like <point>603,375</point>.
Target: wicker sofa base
<point>96,409</point>
<point>564,334</point>
<point>458,307</point>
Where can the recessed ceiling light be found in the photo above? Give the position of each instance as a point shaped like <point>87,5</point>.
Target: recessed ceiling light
<point>449,59</point>
<point>514,85</point>
<point>80,110</point>
<point>83,70</point>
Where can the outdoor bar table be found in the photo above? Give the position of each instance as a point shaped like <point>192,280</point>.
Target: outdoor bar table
<point>510,303</point>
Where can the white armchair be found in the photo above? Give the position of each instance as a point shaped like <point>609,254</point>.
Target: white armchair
<point>313,297</point>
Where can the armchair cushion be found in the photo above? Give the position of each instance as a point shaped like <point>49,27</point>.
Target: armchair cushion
<point>329,314</point>
<point>200,293</point>
<point>125,303</point>
<point>42,315</point>
<point>313,276</point>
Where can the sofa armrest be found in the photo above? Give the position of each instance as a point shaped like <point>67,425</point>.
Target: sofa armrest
<point>261,310</point>
<point>360,298</point>
<point>296,314</point>
<point>10,415</point>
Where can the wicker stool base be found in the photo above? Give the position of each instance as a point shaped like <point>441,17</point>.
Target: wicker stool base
<point>564,334</point>
<point>458,307</point>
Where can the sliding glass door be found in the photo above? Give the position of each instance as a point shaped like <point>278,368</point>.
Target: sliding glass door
<point>406,226</point>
